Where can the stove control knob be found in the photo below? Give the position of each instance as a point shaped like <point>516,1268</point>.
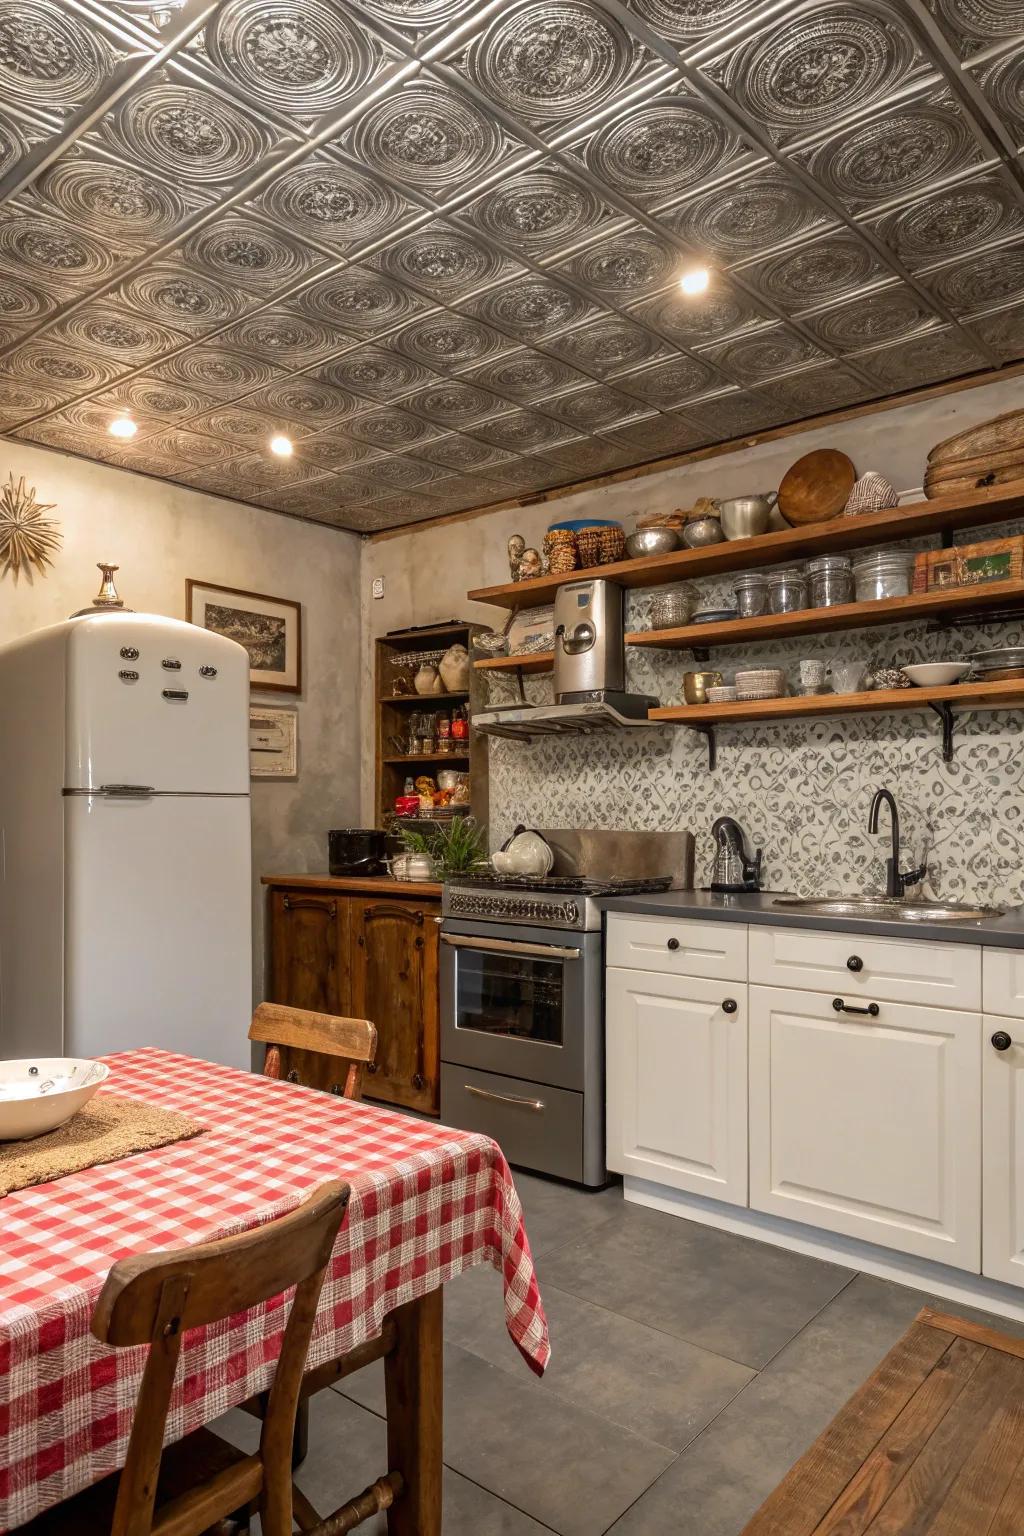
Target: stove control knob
<point>130,652</point>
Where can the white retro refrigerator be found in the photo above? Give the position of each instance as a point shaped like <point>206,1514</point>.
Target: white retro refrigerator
<point>125,844</point>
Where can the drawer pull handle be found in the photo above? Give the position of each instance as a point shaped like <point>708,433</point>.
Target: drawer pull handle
<point>505,1098</point>
<point>855,963</point>
<point>1001,1040</point>
<point>840,1007</point>
<point>672,944</point>
<point>730,1005</point>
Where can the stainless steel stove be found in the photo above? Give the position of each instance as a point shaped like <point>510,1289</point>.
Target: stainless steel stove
<point>549,901</point>
<point>522,1016</point>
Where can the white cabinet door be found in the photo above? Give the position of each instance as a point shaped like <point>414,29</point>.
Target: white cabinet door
<point>1002,1248</point>
<point>677,1081</point>
<point>869,1126</point>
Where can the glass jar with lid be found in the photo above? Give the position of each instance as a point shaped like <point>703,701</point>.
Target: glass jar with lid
<point>831,581</point>
<point>787,591</point>
<point>883,573</point>
<point>751,588</point>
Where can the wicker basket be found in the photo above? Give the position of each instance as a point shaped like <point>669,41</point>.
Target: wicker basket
<point>611,545</point>
<point>560,548</point>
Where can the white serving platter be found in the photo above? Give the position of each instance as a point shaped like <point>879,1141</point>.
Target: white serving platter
<point>41,1093</point>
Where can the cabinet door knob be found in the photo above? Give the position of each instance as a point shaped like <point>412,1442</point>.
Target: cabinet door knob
<point>293,1076</point>
<point>672,944</point>
<point>418,1080</point>
<point>855,963</point>
<point>730,1005</point>
<point>1001,1040</point>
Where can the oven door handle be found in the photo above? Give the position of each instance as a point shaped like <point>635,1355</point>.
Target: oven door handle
<point>537,1105</point>
<point>510,947</point>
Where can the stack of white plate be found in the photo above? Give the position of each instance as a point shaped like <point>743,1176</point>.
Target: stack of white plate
<point>763,683</point>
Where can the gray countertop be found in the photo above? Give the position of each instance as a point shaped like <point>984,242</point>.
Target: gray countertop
<point>1006,932</point>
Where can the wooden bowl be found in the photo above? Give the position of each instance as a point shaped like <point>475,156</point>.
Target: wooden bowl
<point>817,487</point>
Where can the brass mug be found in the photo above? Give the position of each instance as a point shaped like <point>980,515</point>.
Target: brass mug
<point>696,685</point>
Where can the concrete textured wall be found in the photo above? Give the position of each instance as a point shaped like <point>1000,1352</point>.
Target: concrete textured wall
<point>767,778</point>
<point>160,534</point>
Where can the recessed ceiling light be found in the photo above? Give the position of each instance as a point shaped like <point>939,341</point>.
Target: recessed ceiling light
<point>122,426</point>
<point>695,281</point>
<point>281,445</point>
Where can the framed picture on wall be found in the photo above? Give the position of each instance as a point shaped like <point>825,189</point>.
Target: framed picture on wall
<point>270,628</point>
<point>273,743</point>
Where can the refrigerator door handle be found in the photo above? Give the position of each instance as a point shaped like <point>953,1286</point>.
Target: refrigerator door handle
<point>131,791</point>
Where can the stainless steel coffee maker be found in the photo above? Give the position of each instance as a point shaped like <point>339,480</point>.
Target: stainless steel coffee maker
<point>734,869</point>
<point>589,650</point>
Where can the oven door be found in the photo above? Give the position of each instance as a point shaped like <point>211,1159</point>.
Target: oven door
<point>515,1000</point>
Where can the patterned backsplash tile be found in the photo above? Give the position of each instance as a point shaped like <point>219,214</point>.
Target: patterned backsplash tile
<point>800,789</point>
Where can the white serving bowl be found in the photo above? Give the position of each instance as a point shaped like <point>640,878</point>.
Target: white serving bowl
<point>40,1093</point>
<point>937,674</point>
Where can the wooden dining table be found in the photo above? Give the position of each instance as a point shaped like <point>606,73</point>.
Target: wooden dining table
<point>427,1203</point>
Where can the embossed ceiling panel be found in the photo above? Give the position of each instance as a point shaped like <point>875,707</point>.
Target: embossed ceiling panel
<point>438,242</point>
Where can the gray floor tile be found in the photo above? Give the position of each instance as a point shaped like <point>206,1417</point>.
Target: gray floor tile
<point>736,1297</point>
<point>557,1214</point>
<point>570,1469</point>
<point>722,1478</point>
<point>658,1386</point>
<point>348,1449</point>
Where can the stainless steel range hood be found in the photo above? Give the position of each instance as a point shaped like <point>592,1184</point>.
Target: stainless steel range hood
<point>590,717</point>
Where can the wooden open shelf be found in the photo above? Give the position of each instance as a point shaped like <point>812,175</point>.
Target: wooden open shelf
<point>915,520</point>
<point>429,757</point>
<point>958,695</point>
<point>534,661</point>
<point>958,602</point>
<point>423,699</point>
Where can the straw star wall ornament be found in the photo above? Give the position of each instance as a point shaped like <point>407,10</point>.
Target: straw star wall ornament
<point>27,536</point>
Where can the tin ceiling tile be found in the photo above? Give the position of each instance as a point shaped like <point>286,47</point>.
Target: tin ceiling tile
<point>665,385</point>
<point>955,220</point>
<point>1003,331</point>
<point>23,300</point>
<point>766,353</point>
<point>332,203</point>
<point>732,414</point>
<point>183,298</point>
<point>59,251</point>
<point>868,320</point>
<point>243,252</point>
<point>184,132</point>
<point>237,425</point>
<point>50,56</point>
<point>689,21</point>
<point>522,431</point>
<point>631,262</point>
<point>693,321</point>
<point>541,211</point>
<point>590,456</point>
<point>812,273</point>
<point>282,336</point>
<point>147,398</point>
<point>116,335</point>
<point>226,375</point>
<point>303,400</point>
<point>994,277</point>
<point>443,263</point>
<point>533,307</point>
<point>525,376</point>
<point>375,373</point>
<point>816,390</point>
<point>750,214</point>
<point>19,401</point>
<point>48,363</point>
<point>454,403</point>
<point>657,435</point>
<point>973,23</point>
<point>661,148</point>
<point>813,69</point>
<point>1003,84</point>
<point>592,407</point>
<point>428,136</point>
<point>458,452</point>
<point>608,346</point>
<point>332,451</point>
<point>116,201</point>
<point>390,429</point>
<point>360,302</point>
<point>938,355</point>
<point>448,341</point>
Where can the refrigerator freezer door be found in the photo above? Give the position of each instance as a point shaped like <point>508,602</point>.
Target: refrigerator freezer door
<point>158,922</point>
<point>158,702</point>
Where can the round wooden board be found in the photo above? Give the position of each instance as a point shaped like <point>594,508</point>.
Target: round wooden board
<point>816,487</point>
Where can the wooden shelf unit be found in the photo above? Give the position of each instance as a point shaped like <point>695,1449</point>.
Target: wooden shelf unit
<point>943,701</point>
<point>958,601</point>
<point>943,515</point>
<point>535,661</point>
<point>393,712</point>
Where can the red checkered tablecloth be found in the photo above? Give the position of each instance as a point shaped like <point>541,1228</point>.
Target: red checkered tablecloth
<point>427,1202</point>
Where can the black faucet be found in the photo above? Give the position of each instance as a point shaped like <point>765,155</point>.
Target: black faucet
<point>895,882</point>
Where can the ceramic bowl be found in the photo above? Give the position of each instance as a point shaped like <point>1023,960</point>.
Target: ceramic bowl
<point>937,674</point>
<point>40,1093</point>
<point>696,685</point>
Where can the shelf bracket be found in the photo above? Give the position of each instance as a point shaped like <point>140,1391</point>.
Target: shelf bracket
<point>945,714</point>
<point>708,732</point>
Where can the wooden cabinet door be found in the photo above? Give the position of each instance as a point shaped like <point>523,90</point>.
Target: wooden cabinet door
<point>677,1081</point>
<point>1002,1241</point>
<point>394,947</point>
<point>869,1125</point>
<point>309,964</point>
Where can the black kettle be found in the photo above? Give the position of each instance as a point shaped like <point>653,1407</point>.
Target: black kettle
<point>734,869</point>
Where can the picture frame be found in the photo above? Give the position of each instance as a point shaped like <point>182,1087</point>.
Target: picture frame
<point>273,742</point>
<point>270,629</point>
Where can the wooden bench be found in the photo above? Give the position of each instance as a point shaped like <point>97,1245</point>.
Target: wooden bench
<point>932,1442</point>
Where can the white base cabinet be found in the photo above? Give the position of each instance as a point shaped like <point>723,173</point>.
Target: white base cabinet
<point>868,1126</point>
<point>677,1081</point>
<point>1002,1244</point>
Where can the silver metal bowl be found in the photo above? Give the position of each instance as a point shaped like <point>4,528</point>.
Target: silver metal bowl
<point>701,531</point>
<point>651,541</point>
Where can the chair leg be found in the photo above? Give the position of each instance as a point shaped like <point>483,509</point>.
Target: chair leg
<point>412,1385</point>
<point>300,1439</point>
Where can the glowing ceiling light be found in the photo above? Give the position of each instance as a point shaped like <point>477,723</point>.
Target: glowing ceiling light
<point>122,426</point>
<point>281,445</point>
<point>695,281</point>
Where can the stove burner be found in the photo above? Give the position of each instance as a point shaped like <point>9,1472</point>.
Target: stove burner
<point>569,885</point>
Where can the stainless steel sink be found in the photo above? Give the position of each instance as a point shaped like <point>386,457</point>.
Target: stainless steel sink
<point>889,908</point>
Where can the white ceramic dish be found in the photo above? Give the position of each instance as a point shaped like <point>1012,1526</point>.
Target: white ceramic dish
<point>937,674</point>
<point>39,1094</point>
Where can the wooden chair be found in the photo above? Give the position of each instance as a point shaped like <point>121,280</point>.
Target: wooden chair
<point>154,1299</point>
<point>307,1047</point>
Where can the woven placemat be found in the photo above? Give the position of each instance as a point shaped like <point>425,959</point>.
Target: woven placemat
<point>107,1129</point>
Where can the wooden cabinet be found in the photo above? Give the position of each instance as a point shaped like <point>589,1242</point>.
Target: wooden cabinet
<point>394,965</point>
<point>338,949</point>
<point>309,949</point>
<point>1002,1241</point>
<point>677,1081</point>
<point>868,1125</point>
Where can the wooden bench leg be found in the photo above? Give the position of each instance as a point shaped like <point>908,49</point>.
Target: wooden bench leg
<point>412,1382</point>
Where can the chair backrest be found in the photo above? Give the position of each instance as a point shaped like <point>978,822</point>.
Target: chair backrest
<point>307,1047</point>
<point>155,1298</point>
